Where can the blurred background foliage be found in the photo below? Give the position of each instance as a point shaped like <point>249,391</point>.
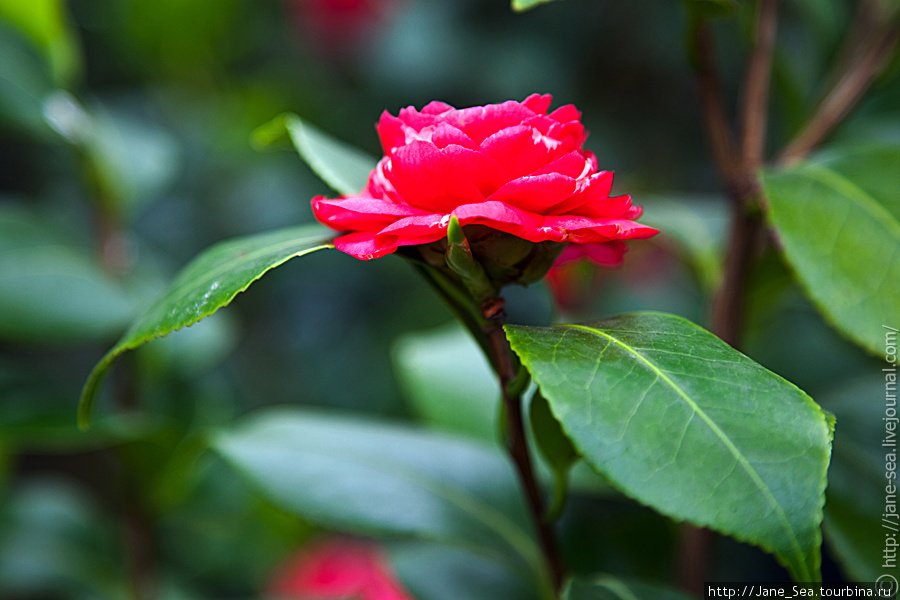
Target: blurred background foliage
<point>124,151</point>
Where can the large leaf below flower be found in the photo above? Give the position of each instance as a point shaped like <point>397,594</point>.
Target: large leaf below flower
<point>680,421</point>
<point>368,477</point>
<point>208,283</point>
<point>839,221</point>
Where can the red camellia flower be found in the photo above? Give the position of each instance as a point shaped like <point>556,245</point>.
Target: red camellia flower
<point>510,167</point>
<point>335,569</point>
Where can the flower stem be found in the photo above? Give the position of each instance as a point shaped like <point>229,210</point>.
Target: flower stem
<point>506,365</point>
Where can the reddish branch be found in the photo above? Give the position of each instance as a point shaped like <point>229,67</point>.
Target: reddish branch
<point>848,90</point>
<point>517,445</point>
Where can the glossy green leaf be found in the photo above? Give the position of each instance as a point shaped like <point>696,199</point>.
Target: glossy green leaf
<point>838,219</point>
<point>343,167</point>
<point>607,587</point>
<point>523,5</point>
<point>375,478</point>
<point>680,421</point>
<point>208,283</point>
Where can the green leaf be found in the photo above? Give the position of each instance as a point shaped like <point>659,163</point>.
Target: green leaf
<point>549,436</point>
<point>46,24</point>
<point>680,421</point>
<point>24,82</point>
<point>607,587</point>
<point>523,5</point>
<point>343,167</point>
<point>435,572</point>
<point>379,479</point>
<point>208,283</point>
<point>711,8</point>
<point>52,289</point>
<point>448,381</point>
<point>838,219</point>
<point>696,224</point>
<point>854,530</point>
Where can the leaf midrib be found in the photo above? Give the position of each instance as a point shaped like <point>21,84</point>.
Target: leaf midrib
<point>726,441</point>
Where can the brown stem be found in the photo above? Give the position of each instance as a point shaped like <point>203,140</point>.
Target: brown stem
<point>756,87</point>
<point>726,319</point>
<point>718,129</point>
<point>517,445</point>
<point>848,90</point>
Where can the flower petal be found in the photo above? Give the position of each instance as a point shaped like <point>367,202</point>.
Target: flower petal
<point>441,179</point>
<point>538,103</point>
<point>357,213</point>
<point>364,245</point>
<point>536,193</point>
<point>481,121</point>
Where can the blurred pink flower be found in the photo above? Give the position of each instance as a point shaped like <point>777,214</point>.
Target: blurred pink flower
<point>337,568</point>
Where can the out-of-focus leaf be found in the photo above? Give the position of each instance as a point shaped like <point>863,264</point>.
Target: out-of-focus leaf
<point>45,22</point>
<point>448,381</point>
<point>52,543</point>
<point>697,225</point>
<point>205,285</point>
<point>679,420</point>
<point>343,167</point>
<point>523,5</point>
<point>24,82</point>
<point>374,478</point>
<point>607,587</point>
<point>838,218</point>
<point>435,572</point>
<point>126,161</point>
<point>196,348</point>
<point>52,290</point>
<point>711,8</point>
<point>854,530</point>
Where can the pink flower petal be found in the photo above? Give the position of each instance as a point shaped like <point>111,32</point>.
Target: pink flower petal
<point>436,108</point>
<point>481,121</point>
<point>391,132</point>
<point>440,180</point>
<point>592,191</point>
<point>364,245</point>
<point>521,149</point>
<point>535,193</point>
<point>356,213</point>
<point>538,103</point>
<point>445,134</point>
<point>336,569</point>
<point>565,114</point>
<point>572,164</point>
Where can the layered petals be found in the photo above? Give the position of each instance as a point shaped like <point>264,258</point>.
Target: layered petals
<point>512,167</point>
